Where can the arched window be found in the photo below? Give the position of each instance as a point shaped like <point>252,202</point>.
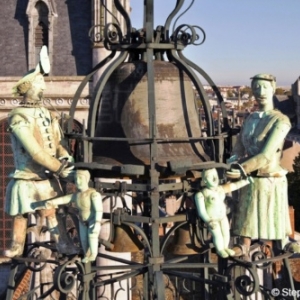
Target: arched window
<point>41,14</point>
<point>41,36</point>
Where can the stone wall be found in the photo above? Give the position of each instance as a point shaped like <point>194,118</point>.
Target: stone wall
<point>58,95</point>
<point>72,51</point>
<point>13,41</point>
<point>71,45</point>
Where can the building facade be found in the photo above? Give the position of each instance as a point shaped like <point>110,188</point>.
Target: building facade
<point>68,28</point>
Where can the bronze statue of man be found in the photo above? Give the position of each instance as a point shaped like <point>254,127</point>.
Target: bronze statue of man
<point>39,158</point>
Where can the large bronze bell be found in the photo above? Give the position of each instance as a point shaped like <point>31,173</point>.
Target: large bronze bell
<point>185,241</point>
<point>123,113</point>
<point>124,240</point>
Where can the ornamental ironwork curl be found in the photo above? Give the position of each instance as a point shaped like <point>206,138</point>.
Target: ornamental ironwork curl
<point>113,33</point>
<point>187,35</point>
<point>263,253</point>
<point>65,277</point>
<point>187,9</point>
<point>95,33</point>
<point>246,284</point>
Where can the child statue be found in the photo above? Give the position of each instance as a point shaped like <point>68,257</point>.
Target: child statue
<point>89,203</point>
<point>212,209</point>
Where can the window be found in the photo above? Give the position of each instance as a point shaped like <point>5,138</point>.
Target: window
<point>41,14</point>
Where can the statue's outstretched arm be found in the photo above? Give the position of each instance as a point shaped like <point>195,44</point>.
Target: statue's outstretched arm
<point>233,186</point>
<point>46,204</point>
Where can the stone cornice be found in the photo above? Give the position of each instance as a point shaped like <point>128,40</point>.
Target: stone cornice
<point>57,102</point>
<point>47,78</point>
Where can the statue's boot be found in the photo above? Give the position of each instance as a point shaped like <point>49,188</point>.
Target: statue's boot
<point>64,244</point>
<point>293,247</point>
<point>18,237</point>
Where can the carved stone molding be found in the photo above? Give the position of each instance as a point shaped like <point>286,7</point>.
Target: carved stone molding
<point>48,102</point>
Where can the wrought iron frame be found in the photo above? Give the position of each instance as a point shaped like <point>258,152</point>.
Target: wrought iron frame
<point>228,279</point>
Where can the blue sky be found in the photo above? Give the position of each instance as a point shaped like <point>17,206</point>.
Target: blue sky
<point>243,37</point>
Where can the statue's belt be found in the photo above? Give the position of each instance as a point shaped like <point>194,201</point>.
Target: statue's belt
<point>257,174</point>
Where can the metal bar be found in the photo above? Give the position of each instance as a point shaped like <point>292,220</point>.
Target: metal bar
<point>181,62</point>
<point>102,80</point>
<point>125,15</point>
<point>168,22</point>
<point>11,281</point>
<point>119,278</point>
<point>213,86</point>
<point>94,106</point>
<point>120,267</point>
<point>148,140</point>
<point>82,85</point>
<point>160,46</point>
<point>188,265</point>
<point>114,258</point>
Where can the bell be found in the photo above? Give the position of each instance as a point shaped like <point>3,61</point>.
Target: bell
<point>123,113</point>
<point>124,240</point>
<point>185,241</point>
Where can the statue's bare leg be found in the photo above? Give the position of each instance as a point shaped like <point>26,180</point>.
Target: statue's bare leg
<point>219,241</point>
<point>225,228</point>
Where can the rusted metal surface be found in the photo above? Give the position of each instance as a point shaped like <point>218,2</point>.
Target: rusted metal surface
<point>124,113</point>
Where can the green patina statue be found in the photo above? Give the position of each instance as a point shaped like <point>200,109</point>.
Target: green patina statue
<point>38,155</point>
<point>212,209</point>
<point>262,211</point>
<point>89,203</point>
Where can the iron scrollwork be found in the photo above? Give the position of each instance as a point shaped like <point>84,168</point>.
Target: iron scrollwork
<point>187,35</point>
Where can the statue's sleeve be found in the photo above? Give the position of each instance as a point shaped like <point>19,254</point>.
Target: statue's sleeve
<point>273,144</point>
<point>22,131</point>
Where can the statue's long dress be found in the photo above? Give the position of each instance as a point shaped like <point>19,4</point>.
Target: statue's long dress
<point>262,211</point>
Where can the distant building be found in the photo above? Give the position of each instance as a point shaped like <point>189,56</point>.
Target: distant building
<point>296,98</point>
